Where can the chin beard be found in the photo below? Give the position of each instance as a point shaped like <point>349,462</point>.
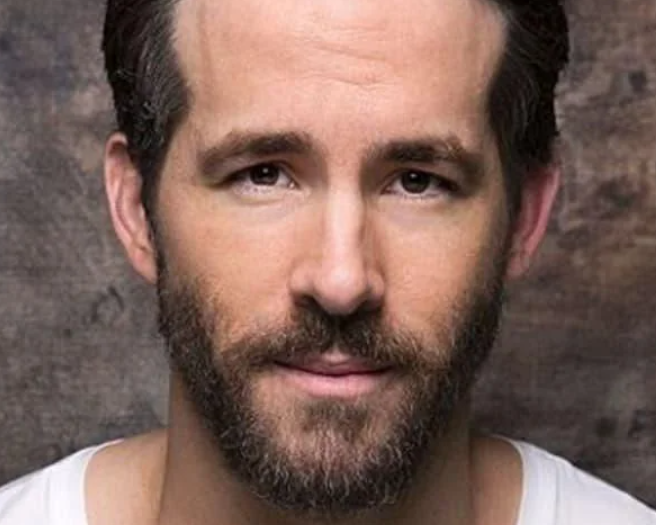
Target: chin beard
<point>337,458</point>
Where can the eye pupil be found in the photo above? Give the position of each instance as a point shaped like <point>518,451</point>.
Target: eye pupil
<point>415,181</point>
<point>265,174</point>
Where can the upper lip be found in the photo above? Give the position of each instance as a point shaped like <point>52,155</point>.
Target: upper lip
<point>334,364</point>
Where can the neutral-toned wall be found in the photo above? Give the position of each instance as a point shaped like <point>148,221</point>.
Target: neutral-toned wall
<point>79,359</point>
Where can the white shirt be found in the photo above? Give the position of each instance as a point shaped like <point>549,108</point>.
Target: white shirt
<point>557,493</point>
<point>554,493</point>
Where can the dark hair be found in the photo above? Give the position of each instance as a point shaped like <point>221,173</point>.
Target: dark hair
<point>151,98</point>
<point>150,94</point>
<point>521,103</point>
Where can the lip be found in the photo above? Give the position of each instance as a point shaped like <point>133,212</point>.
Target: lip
<point>334,376</point>
<point>334,363</point>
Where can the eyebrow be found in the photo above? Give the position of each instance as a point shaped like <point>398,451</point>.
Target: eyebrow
<point>251,144</point>
<point>431,150</point>
<point>424,150</point>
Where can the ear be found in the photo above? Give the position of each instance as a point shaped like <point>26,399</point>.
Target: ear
<point>538,195</point>
<point>123,187</point>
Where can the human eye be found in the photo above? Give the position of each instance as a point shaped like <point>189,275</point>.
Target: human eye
<point>260,178</point>
<point>419,184</point>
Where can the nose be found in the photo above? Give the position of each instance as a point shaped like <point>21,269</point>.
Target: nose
<point>336,268</point>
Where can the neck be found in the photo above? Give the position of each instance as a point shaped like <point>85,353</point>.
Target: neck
<point>199,489</point>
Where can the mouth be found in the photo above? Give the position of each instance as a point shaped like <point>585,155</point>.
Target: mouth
<point>334,375</point>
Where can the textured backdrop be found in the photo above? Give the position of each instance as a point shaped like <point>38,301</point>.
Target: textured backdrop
<point>575,370</point>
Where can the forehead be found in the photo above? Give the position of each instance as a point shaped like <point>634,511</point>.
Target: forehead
<point>326,63</point>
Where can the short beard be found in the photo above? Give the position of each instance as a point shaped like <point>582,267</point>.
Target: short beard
<point>339,480</point>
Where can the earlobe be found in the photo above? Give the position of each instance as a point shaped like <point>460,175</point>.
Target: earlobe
<point>538,196</point>
<point>123,187</point>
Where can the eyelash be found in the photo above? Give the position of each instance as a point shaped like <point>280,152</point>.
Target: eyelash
<point>446,186</point>
<point>240,178</point>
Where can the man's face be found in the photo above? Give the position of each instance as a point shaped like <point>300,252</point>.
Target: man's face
<point>331,231</point>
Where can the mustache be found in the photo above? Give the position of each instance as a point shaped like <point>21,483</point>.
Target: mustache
<point>312,331</point>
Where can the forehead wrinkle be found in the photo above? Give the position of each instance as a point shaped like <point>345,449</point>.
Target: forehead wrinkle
<point>365,31</point>
<point>386,29</point>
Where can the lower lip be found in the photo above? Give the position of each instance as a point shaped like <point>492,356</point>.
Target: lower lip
<point>348,385</point>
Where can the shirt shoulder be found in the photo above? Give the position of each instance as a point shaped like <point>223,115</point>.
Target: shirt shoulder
<point>51,496</point>
<point>557,493</point>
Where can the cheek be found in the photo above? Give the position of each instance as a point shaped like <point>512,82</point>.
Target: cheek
<point>242,267</point>
<point>433,280</point>
<point>432,274</point>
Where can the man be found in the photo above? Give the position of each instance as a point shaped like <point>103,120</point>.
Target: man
<point>329,197</point>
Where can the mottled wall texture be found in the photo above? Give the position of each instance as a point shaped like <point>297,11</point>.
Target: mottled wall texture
<point>80,362</point>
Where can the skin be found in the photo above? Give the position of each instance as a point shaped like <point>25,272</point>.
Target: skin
<point>338,228</point>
